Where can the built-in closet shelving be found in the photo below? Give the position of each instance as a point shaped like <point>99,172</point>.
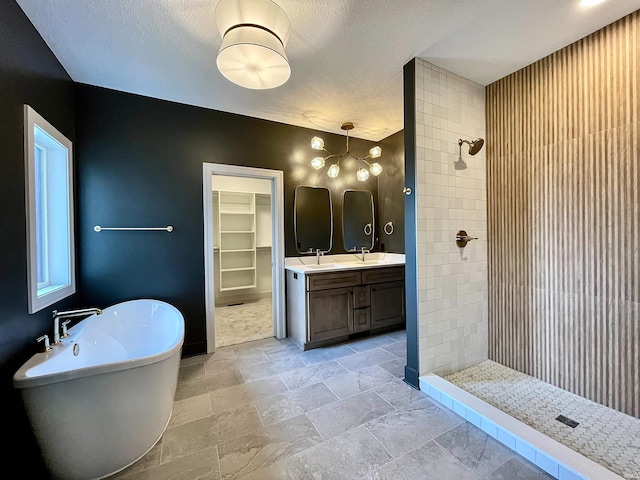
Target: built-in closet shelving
<point>237,240</point>
<point>263,221</point>
<point>243,235</point>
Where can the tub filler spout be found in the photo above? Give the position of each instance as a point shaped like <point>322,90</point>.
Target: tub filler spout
<point>81,312</point>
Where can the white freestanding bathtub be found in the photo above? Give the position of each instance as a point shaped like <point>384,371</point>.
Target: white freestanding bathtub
<point>100,400</point>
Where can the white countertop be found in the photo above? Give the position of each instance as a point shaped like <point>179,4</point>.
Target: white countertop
<point>347,261</point>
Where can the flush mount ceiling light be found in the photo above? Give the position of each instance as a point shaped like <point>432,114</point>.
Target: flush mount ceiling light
<point>334,170</point>
<point>591,3</point>
<point>254,34</point>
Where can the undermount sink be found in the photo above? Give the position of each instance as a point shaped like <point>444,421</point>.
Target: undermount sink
<point>323,265</point>
<point>360,262</point>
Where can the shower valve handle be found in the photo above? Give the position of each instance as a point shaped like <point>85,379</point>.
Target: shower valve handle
<point>462,238</point>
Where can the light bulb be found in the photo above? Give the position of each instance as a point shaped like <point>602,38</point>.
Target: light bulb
<point>362,174</point>
<point>375,152</point>
<point>333,170</point>
<point>317,163</point>
<point>376,169</point>
<point>317,143</point>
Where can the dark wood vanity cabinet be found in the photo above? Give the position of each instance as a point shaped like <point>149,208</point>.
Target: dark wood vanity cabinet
<point>330,313</point>
<point>327,306</point>
<point>385,308</point>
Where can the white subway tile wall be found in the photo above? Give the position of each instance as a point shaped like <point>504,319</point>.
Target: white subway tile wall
<point>451,196</point>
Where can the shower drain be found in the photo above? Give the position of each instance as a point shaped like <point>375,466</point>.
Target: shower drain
<point>567,421</point>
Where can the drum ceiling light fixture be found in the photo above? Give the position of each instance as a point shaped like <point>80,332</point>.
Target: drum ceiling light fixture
<point>254,35</point>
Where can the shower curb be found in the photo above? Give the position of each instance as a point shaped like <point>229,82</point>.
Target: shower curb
<point>553,457</point>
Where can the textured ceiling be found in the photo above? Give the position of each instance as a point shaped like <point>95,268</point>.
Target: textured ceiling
<point>346,55</point>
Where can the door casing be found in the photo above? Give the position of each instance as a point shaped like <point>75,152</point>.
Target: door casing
<point>277,249</point>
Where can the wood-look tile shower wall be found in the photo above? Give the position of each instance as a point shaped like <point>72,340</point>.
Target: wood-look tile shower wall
<point>563,193</point>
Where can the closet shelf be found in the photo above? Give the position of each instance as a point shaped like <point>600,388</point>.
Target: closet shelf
<point>242,287</point>
<point>237,229</point>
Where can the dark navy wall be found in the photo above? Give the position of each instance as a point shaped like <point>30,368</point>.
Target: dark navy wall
<point>138,162</point>
<point>141,165</point>
<point>412,369</point>
<point>390,195</point>
<point>29,74</point>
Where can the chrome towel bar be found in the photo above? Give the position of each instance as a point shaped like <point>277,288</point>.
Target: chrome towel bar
<point>168,228</point>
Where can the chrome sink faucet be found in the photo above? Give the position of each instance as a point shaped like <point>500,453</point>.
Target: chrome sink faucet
<point>69,314</point>
<point>319,254</point>
<point>364,252</point>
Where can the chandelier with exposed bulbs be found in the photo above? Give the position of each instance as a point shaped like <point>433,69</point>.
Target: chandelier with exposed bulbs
<point>334,169</point>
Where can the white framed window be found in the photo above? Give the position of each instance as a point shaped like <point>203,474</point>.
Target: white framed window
<point>49,201</point>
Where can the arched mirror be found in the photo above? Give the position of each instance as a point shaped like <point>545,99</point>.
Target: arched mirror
<point>313,219</point>
<point>358,225</point>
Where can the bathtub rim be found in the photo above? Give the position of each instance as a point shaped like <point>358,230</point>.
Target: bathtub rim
<point>21,380</point>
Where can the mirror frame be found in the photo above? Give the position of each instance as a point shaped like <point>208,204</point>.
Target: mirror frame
<point>295,219</point>
<point>373,219</point>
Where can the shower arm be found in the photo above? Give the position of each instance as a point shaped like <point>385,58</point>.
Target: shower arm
<point>460,142</point>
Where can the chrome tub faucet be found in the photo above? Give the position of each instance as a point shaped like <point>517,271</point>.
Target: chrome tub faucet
<point>69,314</point>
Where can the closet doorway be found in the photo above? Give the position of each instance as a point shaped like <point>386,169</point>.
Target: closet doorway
<point>244,254</point>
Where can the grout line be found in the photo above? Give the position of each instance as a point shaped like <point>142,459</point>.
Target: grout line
<point>279,375</point>
<point>383,447</point>
<point>219,459</point>
<point>331,390</point>
<point>520,458</point>
<point>395,409</point>
<point>255,406</point>
<point>316,427</point>
<point>448,453</point>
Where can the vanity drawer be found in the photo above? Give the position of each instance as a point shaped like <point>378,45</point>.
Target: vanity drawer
<point>361,320</point>
<point>381,275</point>
<point>361,296</point>
<point>324,281</point>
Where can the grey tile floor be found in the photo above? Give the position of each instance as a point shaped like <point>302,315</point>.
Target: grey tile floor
<point>243,322</point>
<point>266,410</point>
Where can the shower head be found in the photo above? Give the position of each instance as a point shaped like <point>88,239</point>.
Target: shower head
<point>474,145</point>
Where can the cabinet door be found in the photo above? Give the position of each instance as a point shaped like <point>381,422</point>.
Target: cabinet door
<point>387,304</point>
<point>329,313</point>
<point>361,319</point>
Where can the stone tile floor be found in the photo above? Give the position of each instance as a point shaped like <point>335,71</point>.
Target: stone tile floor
<point>244,322</point>
<point>266,410</point>
<point>604,435</point>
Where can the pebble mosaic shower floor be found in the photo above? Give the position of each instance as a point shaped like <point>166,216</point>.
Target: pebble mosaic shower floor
<point>604,435</point>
